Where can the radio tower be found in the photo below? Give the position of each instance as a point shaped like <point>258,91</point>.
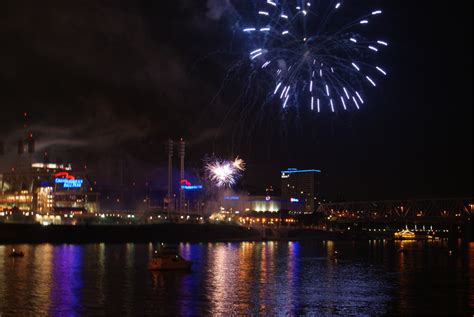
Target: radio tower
<point>169,196</point>
<point>27,140</point>
<point>182,150</point>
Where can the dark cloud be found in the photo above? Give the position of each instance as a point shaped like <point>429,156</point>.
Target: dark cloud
<point>217,8</point>
<point>104,42</point>
<point>76,60</point>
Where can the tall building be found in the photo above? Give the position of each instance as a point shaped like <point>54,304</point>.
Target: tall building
<point>47,188</point>
<point>301,187</point>
<point>28,186</point>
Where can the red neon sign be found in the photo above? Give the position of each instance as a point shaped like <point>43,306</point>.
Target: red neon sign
<point>64,175</point>
<point>185,182</point>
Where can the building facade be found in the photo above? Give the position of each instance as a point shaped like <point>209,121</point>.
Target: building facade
<point>46,188</point>
<point>301,187</point>
<point>29,187</point>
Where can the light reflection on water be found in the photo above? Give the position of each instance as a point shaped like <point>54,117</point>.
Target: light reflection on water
<point>267,278</point>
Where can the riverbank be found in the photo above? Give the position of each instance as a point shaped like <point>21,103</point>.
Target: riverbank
<point>169,232</point>
<point>166,232</point>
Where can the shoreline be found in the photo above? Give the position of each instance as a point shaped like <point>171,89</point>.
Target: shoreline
<point>12,233</point>
<point>166,232</point>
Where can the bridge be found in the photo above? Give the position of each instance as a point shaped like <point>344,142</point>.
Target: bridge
<point>453,214</point>
<point>457,209</point>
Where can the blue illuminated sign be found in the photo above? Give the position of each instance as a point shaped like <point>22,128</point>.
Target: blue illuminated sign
<point>294,200</point>
<point>231,198</point>
<point>191,187</point>
<point>69,183</point>
<point>294,170</point>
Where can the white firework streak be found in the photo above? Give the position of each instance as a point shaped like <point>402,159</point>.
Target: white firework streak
<point>293,40</point>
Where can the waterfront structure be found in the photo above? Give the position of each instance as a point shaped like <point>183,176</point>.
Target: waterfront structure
<point>169,202</point>
<point>30,187</point>
<point>47,188</point>
<point>301,187</point>
<point>300,195</point>
<point>391,210</point>
<point>182,198</point>
<point>169,195</point>
<point>448,216</point>
<point>248,203</point>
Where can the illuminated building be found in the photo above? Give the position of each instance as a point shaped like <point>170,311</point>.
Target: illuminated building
<point>300,187</point>
<point>243,203</point>
<point>264,204</point>
<point>253,210</point>
<point>44,188</point>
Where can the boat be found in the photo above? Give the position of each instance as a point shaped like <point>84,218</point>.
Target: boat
<point>168,259</point>
<point>16,254</point>
<point>431,235</point>
<point>404,235</point>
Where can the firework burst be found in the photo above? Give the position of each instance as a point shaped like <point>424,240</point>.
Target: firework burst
<point>314,52</point>
<point>224,173</point>
<point>239,164</point>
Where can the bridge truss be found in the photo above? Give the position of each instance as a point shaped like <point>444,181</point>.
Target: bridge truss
<point>422,209</point>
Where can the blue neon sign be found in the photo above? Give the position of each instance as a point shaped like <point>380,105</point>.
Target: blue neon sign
<point>191,187</point>
<point>69,183</point>
<point>294,170</point>
<point>231,198</point>
<point>294,200</point>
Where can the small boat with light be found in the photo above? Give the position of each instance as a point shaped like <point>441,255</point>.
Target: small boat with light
<point>16,254</point>
<point>404,235</point>
<point>167,258</point>
<point>432,236</point>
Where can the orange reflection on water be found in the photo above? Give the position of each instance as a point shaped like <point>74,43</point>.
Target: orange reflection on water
<point>25,282</point>
<point>222,279</point>
<point>244,277</point>
<point>43,264</point>
<point>404,281</point>
<point>265,275</point>
<point>2,275</point>
<point>471,274</point>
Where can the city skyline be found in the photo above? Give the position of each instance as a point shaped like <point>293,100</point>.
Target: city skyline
<point>412,140</point>
<point>236,158</point>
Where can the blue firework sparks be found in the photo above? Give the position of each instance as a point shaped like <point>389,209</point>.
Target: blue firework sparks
<point>316,55</point>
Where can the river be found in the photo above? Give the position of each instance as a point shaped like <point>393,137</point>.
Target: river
<point>315,278</point>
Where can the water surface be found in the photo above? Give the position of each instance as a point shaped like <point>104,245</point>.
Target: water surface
<point>265,278</point>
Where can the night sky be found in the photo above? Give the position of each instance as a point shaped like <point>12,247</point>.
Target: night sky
<point>105,83</point>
